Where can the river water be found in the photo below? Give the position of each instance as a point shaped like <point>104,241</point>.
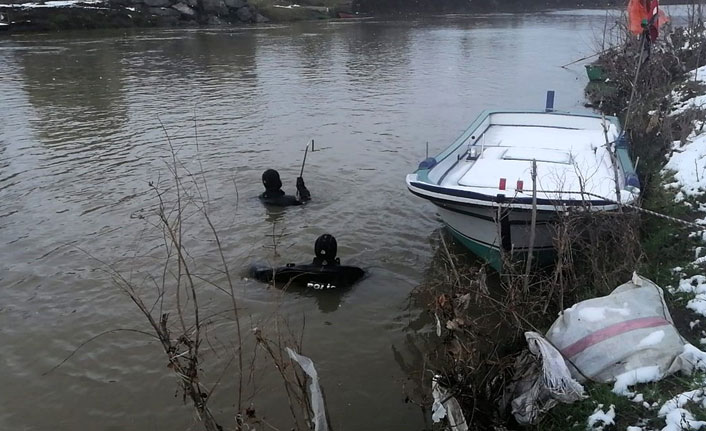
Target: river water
<point>80,139</point>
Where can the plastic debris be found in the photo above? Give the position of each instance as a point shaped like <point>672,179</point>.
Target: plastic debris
<point>315,395</point>
<point>446,406</point>
<point>544,380</point>
<point>625,338</point>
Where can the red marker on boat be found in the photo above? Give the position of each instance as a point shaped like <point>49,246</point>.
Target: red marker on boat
<point>502,184</point>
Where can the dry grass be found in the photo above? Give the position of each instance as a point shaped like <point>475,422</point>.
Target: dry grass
<point>482,317</point>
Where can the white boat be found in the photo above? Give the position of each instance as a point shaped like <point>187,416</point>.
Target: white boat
<point>482,183</point>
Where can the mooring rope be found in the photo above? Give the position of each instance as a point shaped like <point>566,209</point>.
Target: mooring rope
<point>700,227</point>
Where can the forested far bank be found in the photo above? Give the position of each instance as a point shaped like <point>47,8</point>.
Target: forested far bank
<point>447,6</point>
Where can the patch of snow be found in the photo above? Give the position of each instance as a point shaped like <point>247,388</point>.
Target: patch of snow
<point>639,375</point>
<point>652,339</point>
<point>694,357</point>
<point>638,398</point>
<point>696,102</point>
<point>680,401</point>
<point>631,428</point>
<point>676,417</point>
<point>698,304</point>
<point>681,420</point>
<point>695,284</point>
<point>694,323</point>
<point>596,314</point>
<point>600,419</point>
<point>698,75</point>
<point>56,3</point>
<point>688,164</point>
<point>701,235</point>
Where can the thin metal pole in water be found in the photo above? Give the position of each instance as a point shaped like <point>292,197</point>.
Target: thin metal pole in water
<point>306,150</point>
<point>427,156</point>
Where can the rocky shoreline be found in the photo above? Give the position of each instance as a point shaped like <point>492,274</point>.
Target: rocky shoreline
<point>69,14</point>
<point>54,15</point>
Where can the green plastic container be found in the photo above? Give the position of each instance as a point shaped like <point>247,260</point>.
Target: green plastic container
<point>595,73</point>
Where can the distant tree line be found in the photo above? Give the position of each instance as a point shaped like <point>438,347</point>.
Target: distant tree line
<point>447,6</point>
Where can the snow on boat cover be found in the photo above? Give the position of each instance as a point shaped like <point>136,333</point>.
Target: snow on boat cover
<point>490,166</point>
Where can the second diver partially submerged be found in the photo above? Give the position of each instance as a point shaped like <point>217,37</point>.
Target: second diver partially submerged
<point>324,272</point>
<point>273,194</point>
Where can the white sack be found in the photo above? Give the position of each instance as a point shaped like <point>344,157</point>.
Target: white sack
<point>630,329</point>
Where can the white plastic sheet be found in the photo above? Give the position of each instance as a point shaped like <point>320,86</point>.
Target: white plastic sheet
<point>315,395</point>
<point>542,380</point>
<point>447,406</point>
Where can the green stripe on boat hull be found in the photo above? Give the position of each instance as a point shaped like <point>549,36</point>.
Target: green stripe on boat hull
<point>492,254</point>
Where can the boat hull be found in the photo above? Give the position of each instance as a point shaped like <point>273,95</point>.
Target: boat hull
<point>509,164</point>
<point>491,233</point>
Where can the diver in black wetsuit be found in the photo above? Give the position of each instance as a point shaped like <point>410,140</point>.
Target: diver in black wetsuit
<point>273,194</point>
<point>325,271</point>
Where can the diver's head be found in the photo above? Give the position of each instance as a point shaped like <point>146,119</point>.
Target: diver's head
<point>326,247</point>
<point>271,181</point>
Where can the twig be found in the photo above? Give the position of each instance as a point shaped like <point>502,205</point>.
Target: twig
<point>110,331</point>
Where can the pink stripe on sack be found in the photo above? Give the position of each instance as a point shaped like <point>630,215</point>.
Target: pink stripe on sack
<point>611,331</point>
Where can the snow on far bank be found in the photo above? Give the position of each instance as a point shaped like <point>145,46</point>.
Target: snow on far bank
<point>54,3</point>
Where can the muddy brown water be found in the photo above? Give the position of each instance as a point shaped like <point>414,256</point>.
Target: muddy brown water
<point>80,140</point>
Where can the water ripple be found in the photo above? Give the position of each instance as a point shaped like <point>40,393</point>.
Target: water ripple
<point>82,138</point>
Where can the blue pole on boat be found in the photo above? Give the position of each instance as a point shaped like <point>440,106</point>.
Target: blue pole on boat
<point>549,107</point>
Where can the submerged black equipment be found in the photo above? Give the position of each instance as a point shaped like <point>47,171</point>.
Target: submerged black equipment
<point>325,272</point>
<point>273,194</point>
